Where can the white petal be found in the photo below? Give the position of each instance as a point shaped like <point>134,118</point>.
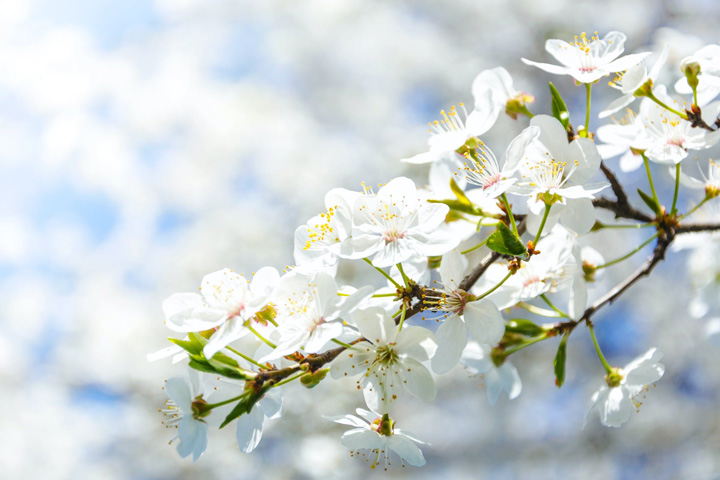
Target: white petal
<point>617,105</point>
<point>616,410</point>
<point>510,380</point>
<point>452,269</point>
<point>623,63</point>
<point>451,337</point>
<point>179,392</point>
<point>187,312</point>
<point>250,429</point>
<point>484,321</point>
<point>351,420</point>
<point>359,439</point>
<point>375,325</point>
<point>579,215</point>
<point>193,438</point>
<point>224,289</point>
<point>556,69</point>
<point>230,331</point>
<point>417,342</point>
<point>417,379</point>
<point>271,404</point>
<point>407,450</point>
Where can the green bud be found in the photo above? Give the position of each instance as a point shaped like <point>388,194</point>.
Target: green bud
<point>311,380</point>
<point>518,105</point>
<point>589,271</point>
<point>691,69</point>
<point>266,315</point>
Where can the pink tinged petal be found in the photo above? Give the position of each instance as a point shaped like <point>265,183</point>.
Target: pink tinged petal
<point>484,321</point>
<point>224,289</point>
<point>556,69</point>
<point>375,325</point>
<point>250,429</point>
<point>666,154</point>
<point>625,62</point>
<point>193,437</point>
<point>179,392</point>
<point>362,438</point>
<point>417,342</point>
<point>230,331</point>
<point>187,312</point>
<point>617,407</point>
<point>588,158</point>
<point>417,379</point>
<point>406,448</point>
<point>516,149</point>
<point>395,252</point>
<point>350,420</point>
<point>579,215</point>
<point>617,105</point>
<point>451,337</point>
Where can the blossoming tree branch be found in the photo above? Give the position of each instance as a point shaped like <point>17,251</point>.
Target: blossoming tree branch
<point>458,270</point>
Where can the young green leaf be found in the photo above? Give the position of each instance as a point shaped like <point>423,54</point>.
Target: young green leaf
<point>559,109</point>
<point>559,362</point>
<point>650,202</point>
<point>504,241</point>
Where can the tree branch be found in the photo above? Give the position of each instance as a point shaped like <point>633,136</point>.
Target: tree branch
<point>697,227</point>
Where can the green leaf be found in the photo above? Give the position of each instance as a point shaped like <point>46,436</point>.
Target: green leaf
<point>650,202</point>
<point>504,241</point>
<point>201,366</point>
<point>523,327</point>
<point>559,362</point>
<point>460,206</point>
<point>559,109</point>
<point>189,346</point>
<point>245,404</point>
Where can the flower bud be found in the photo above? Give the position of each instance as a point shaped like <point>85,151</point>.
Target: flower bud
<point>691,68</point>
<point>517,105</point>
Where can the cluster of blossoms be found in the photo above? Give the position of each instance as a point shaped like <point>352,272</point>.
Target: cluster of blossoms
<point>456,262</point>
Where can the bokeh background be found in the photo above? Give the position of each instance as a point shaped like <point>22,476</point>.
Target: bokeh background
<point>146,143</point>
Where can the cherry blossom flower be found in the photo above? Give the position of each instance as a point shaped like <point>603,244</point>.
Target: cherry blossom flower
<point>395,225</point>
<point>379,435</point>
<point>667,137</point>
<point>318,244</point>
<point>484,170</point>
<point>226,301</point>
<point>632,79</point>
<point>184,411</point>
<point>310,314</point>
<point>388,360</point>
<point>589,60</point>
<point>615,400</point>
<point>477,359</point>
<point>554,168</point>
<point>480,317</point>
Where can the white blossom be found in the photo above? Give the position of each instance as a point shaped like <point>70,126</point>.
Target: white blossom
<point>226,301</point>
<point>388,360</point>
<point>589,60</point>
<point>480,317</point>
<point>370,434</point>
<point>396,225</point>
<point>708,57</point>
<point>615,400</point>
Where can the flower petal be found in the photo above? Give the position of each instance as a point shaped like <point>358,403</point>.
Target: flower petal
<point>451,337</point>
<point>484,321</point>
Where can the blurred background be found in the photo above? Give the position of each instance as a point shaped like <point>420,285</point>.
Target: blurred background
<point>146,143</point>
